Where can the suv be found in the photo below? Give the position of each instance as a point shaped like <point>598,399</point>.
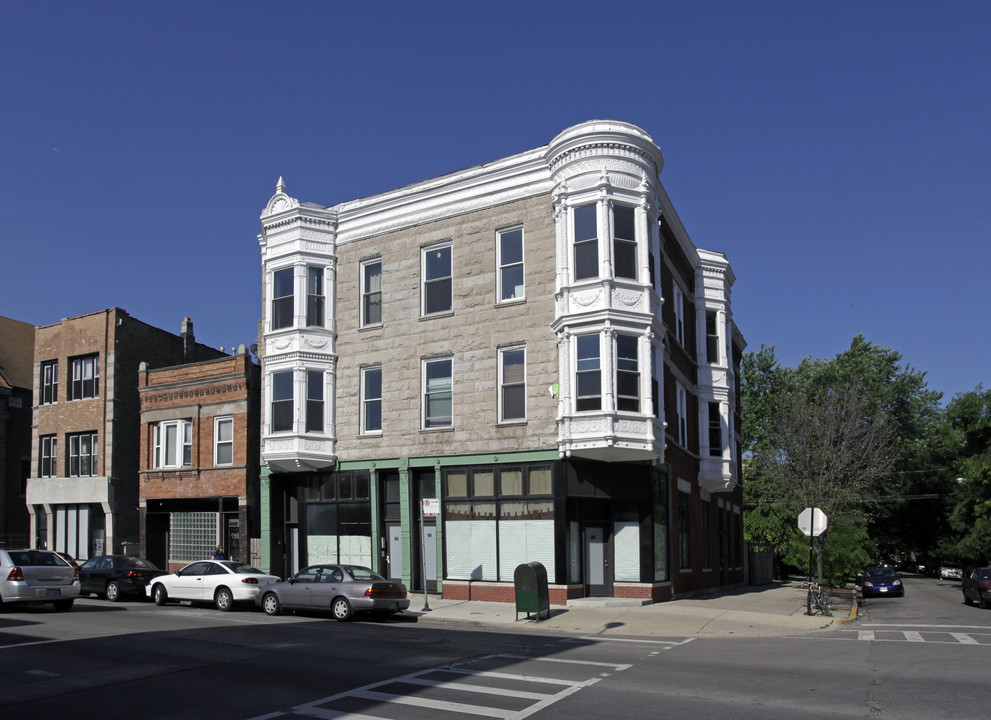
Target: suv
<point>37,576</point>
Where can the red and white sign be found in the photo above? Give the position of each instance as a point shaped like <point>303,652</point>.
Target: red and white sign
<point>431,507</point>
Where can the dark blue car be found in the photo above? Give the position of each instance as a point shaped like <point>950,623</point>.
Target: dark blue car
<point>880,581</point>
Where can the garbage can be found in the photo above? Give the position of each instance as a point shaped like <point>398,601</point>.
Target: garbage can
<point>532,596</point>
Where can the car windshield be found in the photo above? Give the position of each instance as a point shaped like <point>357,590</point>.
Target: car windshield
<point>362,573</point>
<point>241,568</point>
<point>880,573</point>
<point>139,563</point>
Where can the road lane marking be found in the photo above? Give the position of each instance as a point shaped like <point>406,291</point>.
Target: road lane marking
<point>965,639</point>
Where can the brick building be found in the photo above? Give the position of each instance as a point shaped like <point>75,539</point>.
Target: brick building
<point>16,360</point>
<point>536,344</point>
<point>199,459</point>
<point>82,495</point>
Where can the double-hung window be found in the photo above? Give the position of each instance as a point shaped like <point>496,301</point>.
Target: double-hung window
<point>509,247</point>
<point>715,430</point>
<point>49,456</point>
<point>586,242</point>
<point>173,444</point>
<point>371,400</point>
<point>282,401</point>
<point>682,415</point>
<point>438,388</point>
<point>711,337</point>
<point>627,373</point>
<point>49,382</point>
<point>223,441</point>
<point>679,315</point>
<point>624,242</point>
<point>314,401</point>
<point>85,378</point>
<point>314,297</point>
<point>371,293</point>
<point>437,279</point>
<point>512,384</point>
<point>283,306</point>
<point>82,454</point>
<point>588,380</point>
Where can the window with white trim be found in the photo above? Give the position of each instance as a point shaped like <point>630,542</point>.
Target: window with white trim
<point>223,441</point>
<point>715,430</point>
<point>627,373</point>
<point>436,273</point>
<point>283,300</point>
<point>173,444</point>
<point>624,242</point>
<point>314,401</point>
<point>586,242</point>
<point>282,401</point>
<point>438,386</point>
<point>82,454</point>
<point>682,415</point>
<point>711,337</point>
<point>512,384</point>
<point>679,315</point>
<point>49,382</point>
<point>314,297</point>
<point>509,249</point>
<point>49,456</point>
<point>371,293</point>
<point>588,374</point>
<point>85,378</point>
<point>371,400</point>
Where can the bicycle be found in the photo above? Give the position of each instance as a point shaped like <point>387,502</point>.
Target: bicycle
<point>818,599</point>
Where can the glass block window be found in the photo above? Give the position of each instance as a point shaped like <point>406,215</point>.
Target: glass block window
<point>193,536</point>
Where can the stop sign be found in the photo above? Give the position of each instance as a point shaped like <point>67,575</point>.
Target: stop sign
<point>812,522</point>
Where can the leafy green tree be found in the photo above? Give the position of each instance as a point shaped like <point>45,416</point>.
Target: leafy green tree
<point>969,416</point>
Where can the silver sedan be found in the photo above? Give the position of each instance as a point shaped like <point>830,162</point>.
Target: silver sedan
<point>340,589</point>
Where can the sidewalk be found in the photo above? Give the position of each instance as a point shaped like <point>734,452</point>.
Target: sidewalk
<point>767,611</point>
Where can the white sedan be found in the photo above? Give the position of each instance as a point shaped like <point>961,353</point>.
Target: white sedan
<point>221,582</point>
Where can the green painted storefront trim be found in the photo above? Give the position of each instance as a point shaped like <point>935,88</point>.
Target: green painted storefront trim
<point>503,458</point>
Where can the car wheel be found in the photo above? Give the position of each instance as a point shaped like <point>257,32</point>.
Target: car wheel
<point>113,591</point>
<point>224,599</point>
<point>981,602</point>
<point>271,604</point>
<point>160,594</point>
<point>63,605</point>
<point>341,609</point>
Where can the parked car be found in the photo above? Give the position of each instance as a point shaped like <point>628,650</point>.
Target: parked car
<point>950,571</point>
<point>340,589</point>
<point>222,582</point>
<point>37,576</point>
<point>977,587</point>
<point>116,576</point>
<point>880,581</point>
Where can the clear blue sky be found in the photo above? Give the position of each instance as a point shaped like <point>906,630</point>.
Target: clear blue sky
<point>839,153</point>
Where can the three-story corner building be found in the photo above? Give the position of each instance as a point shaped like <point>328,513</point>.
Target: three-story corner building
<point>536,345</point>
<point>82,494</point>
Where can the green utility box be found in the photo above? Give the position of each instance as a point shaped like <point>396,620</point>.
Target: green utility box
<point>532,596</point>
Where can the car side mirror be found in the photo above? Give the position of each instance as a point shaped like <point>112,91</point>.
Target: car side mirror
<point>178,573</point>
<point>291,581</point>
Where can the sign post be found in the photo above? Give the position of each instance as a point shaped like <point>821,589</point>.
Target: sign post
<point>812,522</point>
<point>430,508</point>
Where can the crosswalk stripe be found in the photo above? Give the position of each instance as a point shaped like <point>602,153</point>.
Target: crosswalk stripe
<point>913,636</point>
<point>965,638</point>
<point>865,635</point>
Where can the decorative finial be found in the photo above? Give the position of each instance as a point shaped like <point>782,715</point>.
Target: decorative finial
<point>281,187</point>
